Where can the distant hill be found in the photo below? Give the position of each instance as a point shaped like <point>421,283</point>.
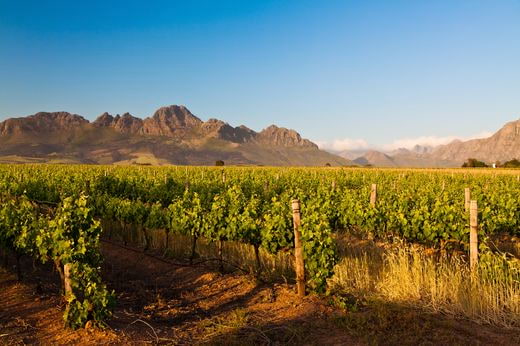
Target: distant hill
<point>173,135</point>
<point>375,158</point>
<point>502,146</point>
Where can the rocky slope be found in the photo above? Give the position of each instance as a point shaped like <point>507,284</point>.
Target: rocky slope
<point>375,158</point>
<point>42,122</point>
<point>172,135</point>
<point>504,145</point>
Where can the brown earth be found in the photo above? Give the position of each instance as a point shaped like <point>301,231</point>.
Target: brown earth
<point>161,303</point>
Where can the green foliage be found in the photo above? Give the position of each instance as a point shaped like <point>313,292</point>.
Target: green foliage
<point>90,300</point>
<point>185,215</point>
<point>318,246</point>
<point>276,232</point>
<point>474,163</point>
<point>252,205</point>
<point>74,238</point>
<point>71,236</point>
<point>514,163</point>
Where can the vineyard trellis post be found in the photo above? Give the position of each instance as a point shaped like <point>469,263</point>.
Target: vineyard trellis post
<point>298,249</point>
<point>66,280</point>
<point>473,235</point>
<point>467,198</point>
<point>373,195</point>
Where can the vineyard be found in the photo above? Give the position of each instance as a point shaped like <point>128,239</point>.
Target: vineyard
<point>59,214</point>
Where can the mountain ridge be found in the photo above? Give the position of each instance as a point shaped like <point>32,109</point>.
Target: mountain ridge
<point>503,145</point>
<point>171,135</point>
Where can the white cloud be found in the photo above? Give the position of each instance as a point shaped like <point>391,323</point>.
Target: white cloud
<point>351,144</point>
<point>430,141</point>
<point>343,144</point>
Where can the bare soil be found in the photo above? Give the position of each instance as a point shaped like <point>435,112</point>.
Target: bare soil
<point>161,303</point>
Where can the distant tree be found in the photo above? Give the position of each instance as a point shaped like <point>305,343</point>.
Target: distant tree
<point>219,163</point>
<point>514,163</point>
<point>474,163</point>
<point>327,164</point>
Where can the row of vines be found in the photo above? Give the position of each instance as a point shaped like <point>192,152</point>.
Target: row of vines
<point>249,205</point>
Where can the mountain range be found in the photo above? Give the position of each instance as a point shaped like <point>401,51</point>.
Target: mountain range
<point>172,135</point>
<point>502,146</point>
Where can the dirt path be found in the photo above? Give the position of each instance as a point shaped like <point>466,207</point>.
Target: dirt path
<point>160,303</point>
<point>28,316</point>
<point>187,305</point>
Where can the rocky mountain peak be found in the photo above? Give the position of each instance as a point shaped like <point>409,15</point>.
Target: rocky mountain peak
<point>177,116</point>
<point>42,122</point>
<point>127,124</point>
<point>510,131</point>
<point>275,135</point>
<point>169,120</point>
<point>104,120</point>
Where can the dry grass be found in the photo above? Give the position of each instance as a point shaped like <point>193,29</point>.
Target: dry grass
<point>273,267</point>
<point>396,273</point>
<point>410,276</point>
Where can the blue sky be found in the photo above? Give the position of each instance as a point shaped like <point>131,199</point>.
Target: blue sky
<point>349,74</point>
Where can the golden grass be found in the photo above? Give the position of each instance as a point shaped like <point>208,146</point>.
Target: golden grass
<point>408,275</point>
<point>398,273</point>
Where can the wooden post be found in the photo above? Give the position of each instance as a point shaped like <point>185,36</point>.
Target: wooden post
<point>298,250</point>
<point>221,255</point>
<point>66,280</point>
<point>333,184</point>
<point>473,234</point>
<point>467,199</point>
<point>223,177</point>
<point>373,195</point>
